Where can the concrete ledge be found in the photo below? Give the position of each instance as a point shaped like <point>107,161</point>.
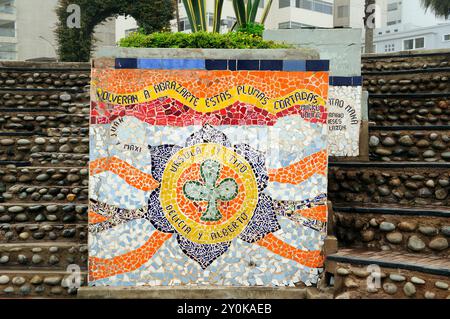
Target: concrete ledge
<point>242,54</point>
<point>407,53</point>
<point>191,293</point>
<point>50,66</point>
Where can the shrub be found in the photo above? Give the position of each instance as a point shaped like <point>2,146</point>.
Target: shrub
<point>252,28</point>
<point>204,40</point>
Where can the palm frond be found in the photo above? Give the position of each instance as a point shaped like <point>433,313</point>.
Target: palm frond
<point>440,8</point>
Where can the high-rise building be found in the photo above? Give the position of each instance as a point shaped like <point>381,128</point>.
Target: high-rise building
<point>350,13</point>
<point>284,14</point>
<point>400,24</point>
<point>408,14</point>
<point>27,30</point>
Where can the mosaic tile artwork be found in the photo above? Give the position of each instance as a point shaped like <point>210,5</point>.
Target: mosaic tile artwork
<point>208,172</point>
<point>344,115</point>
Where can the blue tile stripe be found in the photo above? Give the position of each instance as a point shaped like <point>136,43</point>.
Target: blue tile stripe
<point>232,65</point>
<point>345,80</point>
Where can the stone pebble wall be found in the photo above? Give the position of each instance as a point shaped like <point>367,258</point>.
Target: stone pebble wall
<point>424,74</point>
<point>44,146</point>
<point>405,62</point>
<point>404,90</point>
<point>407,83</point>
<point>371,186</point>
<point>409,146</point>
<point>393,283</point>
<point>47,79</point>
<point>388,111</point>
<point>410,234</point>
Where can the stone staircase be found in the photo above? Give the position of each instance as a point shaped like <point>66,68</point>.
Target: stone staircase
<point>392,214</point>
<point>44,146</point>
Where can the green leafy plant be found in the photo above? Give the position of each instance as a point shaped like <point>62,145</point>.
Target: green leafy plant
<point>206,40</point>
<point>246,12</point>
<point>196,13</point>
<point>252,28</point>
<point>76,44</point>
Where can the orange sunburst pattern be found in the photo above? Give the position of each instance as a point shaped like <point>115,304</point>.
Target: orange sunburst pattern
<point>312,259</point>
<point>318,213</point>
<point>101,268</point>
<point>302,170</point>
<point>127,172</point>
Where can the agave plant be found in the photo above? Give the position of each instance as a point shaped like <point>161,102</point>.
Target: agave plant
<point>246,11</point>
<point>441,8</point>
<point>196,13</point>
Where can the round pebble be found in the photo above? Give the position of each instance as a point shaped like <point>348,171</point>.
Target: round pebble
<point>397,277</point>
<point>409,289</point>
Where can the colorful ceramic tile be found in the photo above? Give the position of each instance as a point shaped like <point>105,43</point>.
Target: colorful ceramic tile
<point>208,172</point>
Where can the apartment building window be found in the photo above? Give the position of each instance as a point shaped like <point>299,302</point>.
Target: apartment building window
<point>210,18</point>
<point>389,47</point>
<point>284,3</point>
<point>8,51</point>
<point>7,6</point>
<point>184,24</point>
<point>7,28</point>
<point>446,37</point>
<point>292,25</point>
<point>312,5</point>
<point>394,22</point>
<point>343,11</point>
<point>304,4</point>
<point>392,6</point>
<point>411,44</point>
<point>323,7</point>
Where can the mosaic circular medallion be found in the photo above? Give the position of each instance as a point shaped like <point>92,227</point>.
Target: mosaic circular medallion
<point>208,193</point>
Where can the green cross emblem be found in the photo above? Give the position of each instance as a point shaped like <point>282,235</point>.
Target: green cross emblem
<point>208,191</point>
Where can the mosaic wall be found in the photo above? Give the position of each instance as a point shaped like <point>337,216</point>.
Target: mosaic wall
<point>208,172</point>
<point>344,115</point>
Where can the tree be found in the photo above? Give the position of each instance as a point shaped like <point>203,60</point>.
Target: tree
<point>441,8</point>
<point>76,43</point>
<point>369,24</point>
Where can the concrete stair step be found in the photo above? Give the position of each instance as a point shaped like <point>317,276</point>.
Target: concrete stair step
<point>45,151</point>
<point>418,110</point>
<point>406,61</point>
<point>381,274</point>
<point>43,232</point>
<point>18,194</point>
<point>39,283</point>
<point>439,68</point>
<point>406,184</point>
<point>430,144</point>
<point>415,231</point>
<point>44,176</point>
<point>206,292</point>
<point>50,213</point>
<point>38,122</point>
<point>42,77</point>
<point>39,256</point>
<point>407,83</point>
